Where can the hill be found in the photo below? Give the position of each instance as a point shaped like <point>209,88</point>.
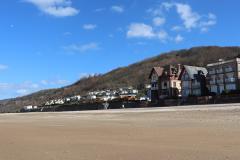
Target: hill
<point>135,75</point>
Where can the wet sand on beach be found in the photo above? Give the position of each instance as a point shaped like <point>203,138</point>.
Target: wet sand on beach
<point>135,134</point>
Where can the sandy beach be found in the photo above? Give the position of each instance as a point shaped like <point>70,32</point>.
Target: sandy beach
<point>176,133</point>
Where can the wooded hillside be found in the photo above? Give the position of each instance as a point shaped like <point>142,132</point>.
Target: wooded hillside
<point>134,75</point>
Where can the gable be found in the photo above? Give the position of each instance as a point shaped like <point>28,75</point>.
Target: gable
<point>156,70</point>
<point>193,71</point>
<point>185,75</point>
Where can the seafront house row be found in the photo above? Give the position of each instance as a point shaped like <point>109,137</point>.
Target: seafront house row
<point>217,78</point>
<point>193,81</point>
<point>165,82</point>
<point>224,76</point>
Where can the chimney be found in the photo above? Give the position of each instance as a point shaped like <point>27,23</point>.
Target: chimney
<point>179,68</point>
<point>170,70</point>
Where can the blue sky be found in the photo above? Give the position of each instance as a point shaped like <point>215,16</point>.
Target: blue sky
<point>53,43</point>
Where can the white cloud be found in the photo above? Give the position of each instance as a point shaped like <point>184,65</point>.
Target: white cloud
<point>177,28</point>
<point>167,5</point>
<point>54,82</point>
<point>118,9</point>
<point>57,8</point>
<point>155,11</point>
<point>159,21</point>
<point>61,82</point>
<point>212,16</point>
<point>44,82</point>
<point>89,26</point>
<point>179,38</point>
<point>141,30</point>
<point>86,75</point>
<point>204,29</point>
<point>3,67</point>
<point>162,35</point>
<point>4,86</point>
<point>29,85</point>
<point>190,18</point>
<point>211,20</point>
<point>22,91</point>
<point>9,90</point>
<point>82,48</point>
<point>19,89</point>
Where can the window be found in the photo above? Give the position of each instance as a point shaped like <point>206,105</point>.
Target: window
<point>195,84</point>
<point>164,85</point>
<point>185,76</point>
<point>213,80</point>
<point>219,70</point>
<point>185,84</point>
<point>220,78</point>
<point>229,77</point>
<point>154,77</point>
<point>186,93</point>
<point>230,87</point>
<point>214,89</point>
<point>221,88</point>
<point>195,81</point>
<point>197,92</point>
<point>174,84</point>
<point>212,71</point>
<point>154,85</point>
<point>228,69</point>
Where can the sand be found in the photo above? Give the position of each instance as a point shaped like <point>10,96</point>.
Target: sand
<point>177,133</point>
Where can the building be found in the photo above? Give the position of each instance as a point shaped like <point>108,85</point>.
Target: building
<point>193,81</point>
<point>29,108</point>
<point>165,82</point>
<point>224,75</point>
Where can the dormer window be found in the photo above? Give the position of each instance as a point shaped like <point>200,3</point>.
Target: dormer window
<point>165,84</point>
<point>154,78</point>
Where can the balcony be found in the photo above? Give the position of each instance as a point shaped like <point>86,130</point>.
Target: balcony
<point>212,72</point>
<point>219,70</point>
<point>212,82</point>
<point>220,81</point>
<point>229,69</point>
<point>230,80</point>
<point>154,88</point>
<point>196,85</point>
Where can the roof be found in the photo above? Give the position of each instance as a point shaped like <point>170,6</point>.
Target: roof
<point>172,70</point>
<point>221,62</point>
<point>193,70</point>
<point>158,70</point>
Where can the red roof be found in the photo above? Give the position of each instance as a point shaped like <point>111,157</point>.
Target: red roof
<point>158,70</point>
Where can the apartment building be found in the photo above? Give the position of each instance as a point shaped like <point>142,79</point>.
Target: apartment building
<point>193,81</point>
<point>165,82</point>
<point>224,75</point>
